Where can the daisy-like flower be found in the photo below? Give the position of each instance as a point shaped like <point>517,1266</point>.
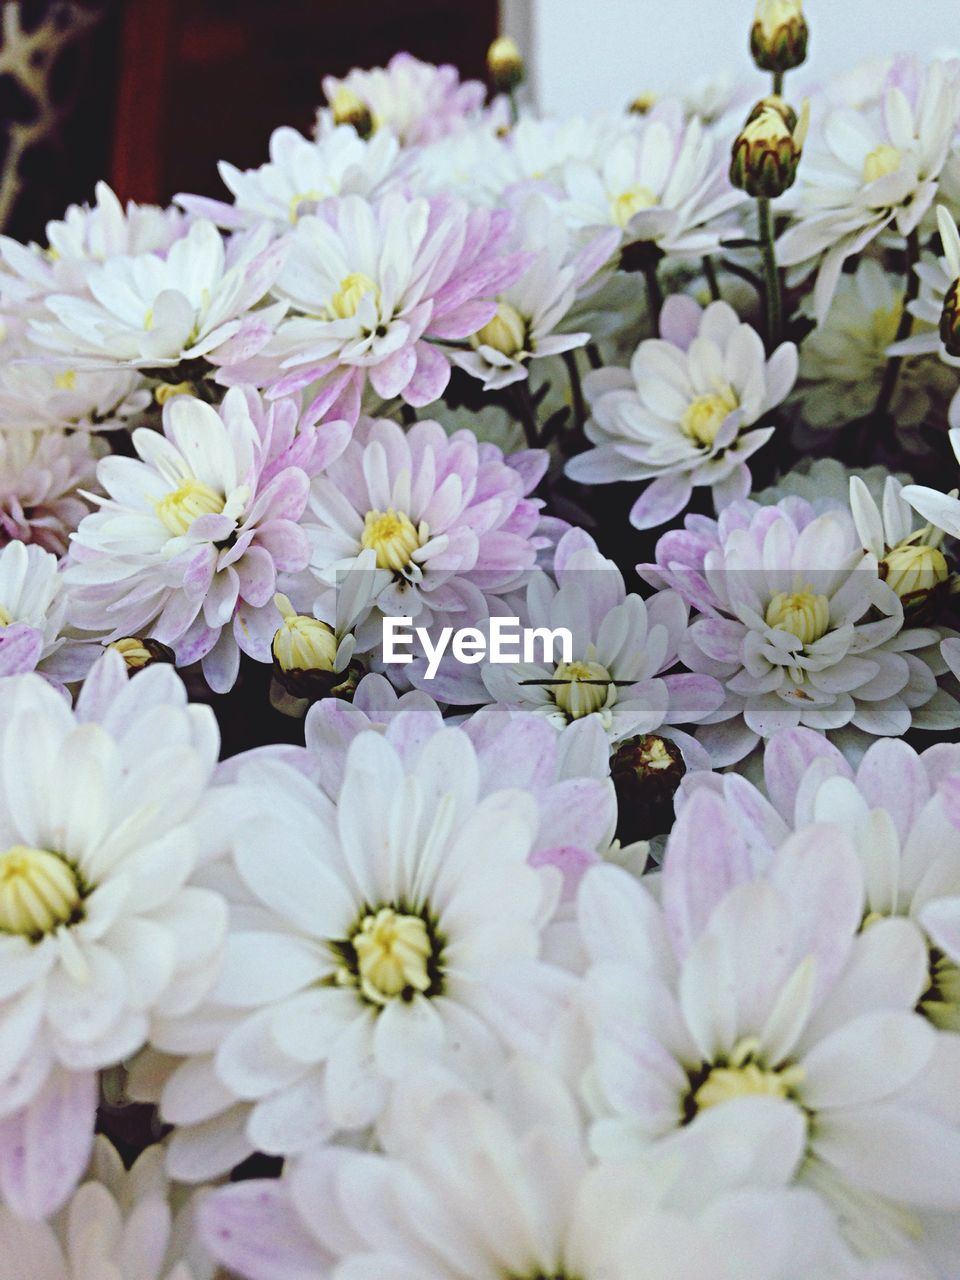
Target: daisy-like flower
<point>874,170</point>
<point>842,362</point>
<point>899,808</point>
<point>36,394</point>
<point>372,287</point>
<point>415,101</point>
<point>398,926</point>
<point>42,474</point>
<point>767,993</point>
<point>84,238</point>
<point>155,311</point>
<point>300,173</point>
<point>105,816</point>
<point>661,182</point>
<point>622,648</point>
<point>686,412</point>
<point>937,307</point>
<point>530,312</point>
<point>193,531</point>
<point>798,625</point>
<point>447,517</point>
<point>119,1225</point>
<point>465,1181</point>
<point>33,615</point>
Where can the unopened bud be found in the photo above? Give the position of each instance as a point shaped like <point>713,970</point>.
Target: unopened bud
<point>950,320</point>
<point>779,36</point>
<point>304,657</point>
<point>914,569</point>
<point>646,773</point>
<point>767,150</point>
<point>505,65</point>
<point>167,390</point>
<point>349,108</point>
<point>642,104</point>
<point>142,651</point>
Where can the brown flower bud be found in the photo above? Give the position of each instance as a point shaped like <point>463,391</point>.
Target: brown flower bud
<point>646,772</point>
<point>779,36</point>
<point>767,150</point>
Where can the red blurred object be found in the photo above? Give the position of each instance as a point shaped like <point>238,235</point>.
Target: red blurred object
<point>201,82</point>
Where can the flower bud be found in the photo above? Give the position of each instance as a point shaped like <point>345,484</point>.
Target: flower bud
<point>646,772</point>
<point>779,36</point>
<point>767,150</point>
<point>142,651</point>
<point>642,104</point>
<point>915,568</point>
<point>304,657</point>
<point>505,65</point>
<point>349,108</point>
<point>506,332</point>
<point>167,390</point>
<point>950,320</point>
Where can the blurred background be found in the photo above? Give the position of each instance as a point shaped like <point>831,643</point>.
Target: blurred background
<point>151,93</point>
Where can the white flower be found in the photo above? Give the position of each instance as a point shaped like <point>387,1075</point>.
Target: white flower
<point>842,362</point>
<point>42,477</point>
<point>530,312</point>
<point>875,169</point>
<point>767,995</point>
<point>33,615</point>
<point>35,393</point>
<point>908,555</point>
<point>105,814</point>
<point>660,181</point>
<point>188,542</point>
<point>681,415</point>
<point>399,926</point>
<point>155,310</point>
<point>622,646</point>
<point>937,278</point>
<point>300,173</point>
<point>941,509</point>
<point>118,1226</point>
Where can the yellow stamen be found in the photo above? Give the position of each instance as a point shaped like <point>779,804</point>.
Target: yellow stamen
<point>393,952</point>
<point>353,288</point>
<point>577,699</point>
<point>392,535</point>
<point>802,613</point>
<point>39,891</point>
<point>506,332</point>
<point>706,415</point>
<point>629,203</point>
<point>183,505</point>
<point>743,1076</point>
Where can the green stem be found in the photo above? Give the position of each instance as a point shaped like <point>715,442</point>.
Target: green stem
<point>710,271</point>
<point>891,373</point>
<point>527,413</point>
<point>576,391</point>
<point>771,275</point>
<point>654,293</point>
<point>514,106</point>
<point>594,356</point>
<point>778,83</point>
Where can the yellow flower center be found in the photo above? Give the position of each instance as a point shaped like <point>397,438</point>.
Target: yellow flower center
<point>940,1003</point>
<point>133,651</point>
<point>302,643</point>
<point>5,617</point>
<point>296,200</point>
<point>39,891</point>
<point>393,953</point>
<point>393,537</point>
<point>743,1076</point>
<point>183,505</point>
<point>802,613</point>
<point>625,206</point>
<point>881,161</point>
<point>506,332</point>
<point>167,390</point>
<point>574,696</point>
<point>911,567</point>
<point>706,415</point>
<point>66,381</point>
<point>353,289</point>
<point>349,108</point>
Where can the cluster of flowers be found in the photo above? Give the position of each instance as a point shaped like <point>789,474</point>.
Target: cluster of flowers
<point>644,957</point>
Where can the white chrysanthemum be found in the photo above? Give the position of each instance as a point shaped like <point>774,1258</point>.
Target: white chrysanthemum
<point>842,362</point>
<point>767,994</point>
<point>908,554</point>
<point>873,169</point>
<point>941,509</point>
<point>937,278</point>
<point>105,815</point>
<point>507,1188</point>
<point>33,616</point>
<point>36,393</point>
<point>799,626</point>
<point>530,316</point>
<point>681,416</point>
<point>85,237</point>
<point>155,310</point>
<point>660,181</point>
<point>300,173</point>
<point>119,1225</point>
<point>42,475</point>
<point>398,926</point>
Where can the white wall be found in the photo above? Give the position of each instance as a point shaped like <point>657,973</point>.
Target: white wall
<point>599,54</point>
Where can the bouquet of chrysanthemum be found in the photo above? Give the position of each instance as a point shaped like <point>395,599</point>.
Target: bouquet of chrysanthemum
<point>479,660</point>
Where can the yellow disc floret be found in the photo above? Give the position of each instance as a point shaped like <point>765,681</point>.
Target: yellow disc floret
<point>302,643</point>
<point>506,332</point>
<point>188,502</point>
<point>706,414</point>
<point>353,289</point>
<point>39,891</point>
<point>391,534</point>
<point>629,203</point>
<point>575,697</point>
<point>880,162</point>
<point>393,954</point>
<point>803,613</point>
